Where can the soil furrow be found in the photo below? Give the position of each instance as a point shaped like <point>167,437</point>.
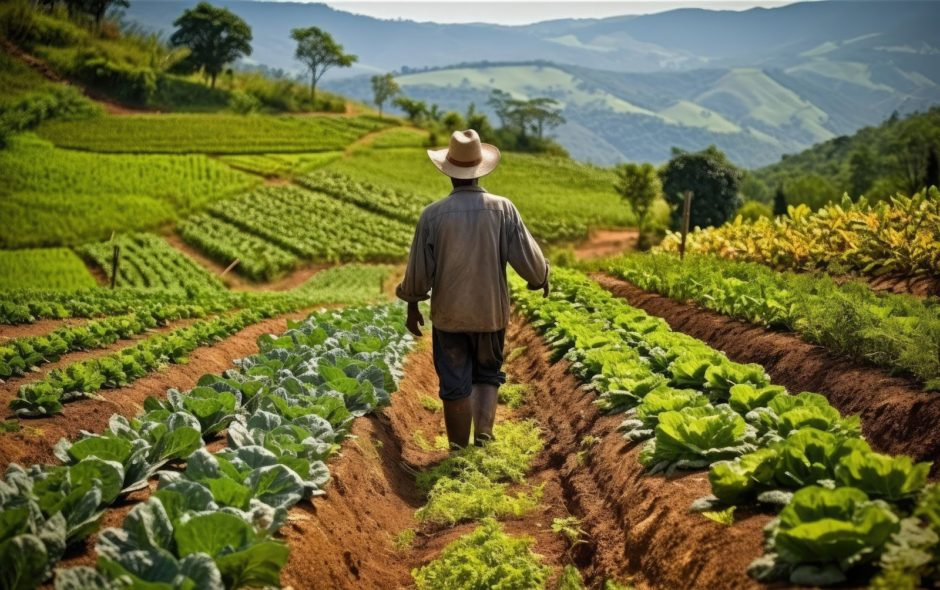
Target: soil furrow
<point>37,328</point>
<point>9,388</point>
<point>34,442</point>
<point>897,416</point>
<point>640,526</point>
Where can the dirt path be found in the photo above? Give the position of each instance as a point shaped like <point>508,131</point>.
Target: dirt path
<point>897,416</point>
<point>37,328</point>
<point>606,242</point>
<point>33,444</point>
<point>9,388</point>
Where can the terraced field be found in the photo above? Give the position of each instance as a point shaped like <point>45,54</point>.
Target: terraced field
<point>666,423</point>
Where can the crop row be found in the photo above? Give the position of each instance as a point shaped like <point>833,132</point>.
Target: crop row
<point>146,260</point>
<point>898,236</point>
<point>83,378</point>
<point>225,243</point>
<point>845,509</point>
<point>209,133</point>
<point>270,229</point>
<point>19,355</point>
<point>45,268</point>
<point>275,165</point>
<point>212,524</point>
<point>898,332</point>
<point>400,205</point>
<point>23,306</point>
<point>55,197</point>
<point>353,283</point>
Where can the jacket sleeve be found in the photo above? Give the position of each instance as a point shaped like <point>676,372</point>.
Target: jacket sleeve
<point>419,275</point>
<point>525,256</point>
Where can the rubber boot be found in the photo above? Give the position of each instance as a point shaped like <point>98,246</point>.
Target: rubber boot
<point>484,412</point>
<point>458,416</point>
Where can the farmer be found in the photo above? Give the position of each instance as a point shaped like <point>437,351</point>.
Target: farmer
<point>460,250</point>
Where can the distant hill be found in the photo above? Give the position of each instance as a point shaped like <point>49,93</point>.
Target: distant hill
<point>759,83</point>
<point>876,161</point>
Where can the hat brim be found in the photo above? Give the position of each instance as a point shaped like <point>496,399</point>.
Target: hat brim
<point>488,162</point>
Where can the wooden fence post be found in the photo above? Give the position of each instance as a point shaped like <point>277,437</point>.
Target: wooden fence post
<point>115,259</point>
<point>686,214</point>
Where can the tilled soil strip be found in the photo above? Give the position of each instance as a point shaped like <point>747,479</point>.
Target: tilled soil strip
<point>34,442</point>
<point>37,328</point>
<point>9,387</point>
<point>640,527</point>
<point>897,416</point>
<point>346,539</point>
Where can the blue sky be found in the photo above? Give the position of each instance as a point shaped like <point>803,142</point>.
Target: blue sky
<point>524,12</point>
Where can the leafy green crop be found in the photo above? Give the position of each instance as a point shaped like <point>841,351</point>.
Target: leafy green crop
<point>897,332</point>
<point>762,443</point>
<point>486,558</point>
<point>210,524</point>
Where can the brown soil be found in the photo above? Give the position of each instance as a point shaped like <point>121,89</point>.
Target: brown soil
<point>346,539</point>
<point>897,416</point>
<point>9,388</point>
<point>37,328</point>
<point>640,527</point>
<point>918,286</point>
<point>606,242</point>
<point>34,442</point>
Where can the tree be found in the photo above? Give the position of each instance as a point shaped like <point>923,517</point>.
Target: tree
<point>639,185</point>
<point>499,101</point>
<point>713,180</point>
<point>932,172</point>
<point>780,201</point>
<point>813,190</point>
<point>416,110</point>
<point>479,121</point>
<point>317,50</point>
<point>95,8</point>
<point>863,171</point>
<point>384,88</point>
<point>544,112</point>
<point>215,38</point>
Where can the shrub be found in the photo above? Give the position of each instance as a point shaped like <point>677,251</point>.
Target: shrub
<point>754,210</point>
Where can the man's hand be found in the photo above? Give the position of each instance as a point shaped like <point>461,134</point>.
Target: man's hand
<point>414,319</point>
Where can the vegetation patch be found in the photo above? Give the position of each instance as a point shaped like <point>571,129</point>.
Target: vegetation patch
<point>898,332</point>
<point>486,558</point>
<point>43,268</point>
<point>469,484</point>
<point>431,404</point>
<point>513,394</point>
<point>508,457</point>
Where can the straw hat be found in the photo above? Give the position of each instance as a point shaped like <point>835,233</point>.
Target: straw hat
<point>466,157</point>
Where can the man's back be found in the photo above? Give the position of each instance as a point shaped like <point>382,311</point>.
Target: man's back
<point>462,245</point>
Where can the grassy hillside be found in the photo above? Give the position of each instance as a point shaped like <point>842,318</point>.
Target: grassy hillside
<point>877,161</point>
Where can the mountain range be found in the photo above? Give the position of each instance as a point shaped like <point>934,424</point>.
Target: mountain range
<point>758,83</point>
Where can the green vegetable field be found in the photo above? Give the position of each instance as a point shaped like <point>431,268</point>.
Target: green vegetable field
<point>208,382</point>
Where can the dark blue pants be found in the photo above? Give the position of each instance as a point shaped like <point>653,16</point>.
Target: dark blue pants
<point>464,359</point>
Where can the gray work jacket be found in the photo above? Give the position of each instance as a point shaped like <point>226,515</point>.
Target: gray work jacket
<point>460,250</point>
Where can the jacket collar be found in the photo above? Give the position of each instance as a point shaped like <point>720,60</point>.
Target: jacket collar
<point>470,189</point>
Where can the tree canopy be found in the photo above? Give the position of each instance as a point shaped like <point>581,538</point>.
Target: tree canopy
<point>383,88</point>
<point>317,50</point>
<point>215,37</point>
<point>713,180</point>
<point>639,185</point>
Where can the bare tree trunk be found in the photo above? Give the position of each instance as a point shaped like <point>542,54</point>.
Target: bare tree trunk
<point>212,77</point>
